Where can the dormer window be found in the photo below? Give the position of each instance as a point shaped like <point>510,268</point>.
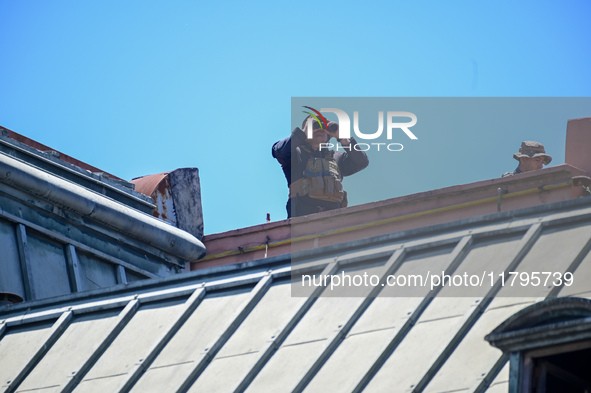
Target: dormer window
<point>549,346</point>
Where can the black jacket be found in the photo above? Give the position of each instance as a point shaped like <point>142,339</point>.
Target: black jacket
<point>293,153</point>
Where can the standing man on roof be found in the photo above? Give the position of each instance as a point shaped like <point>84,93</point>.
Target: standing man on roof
<point>532,156</point>
<point>314,174</point>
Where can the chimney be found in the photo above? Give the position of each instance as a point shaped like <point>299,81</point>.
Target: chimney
<point>578,143</point>
<point>177,196</point>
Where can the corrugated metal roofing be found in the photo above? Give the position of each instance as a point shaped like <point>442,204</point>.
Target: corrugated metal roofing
<point>242,330</point>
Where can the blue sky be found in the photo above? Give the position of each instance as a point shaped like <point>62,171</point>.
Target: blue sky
<point>143,87</point>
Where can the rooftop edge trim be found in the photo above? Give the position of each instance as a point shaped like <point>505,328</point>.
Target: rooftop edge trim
<point>100,208</point>
<point>112,183</point>
<point>385,221</point>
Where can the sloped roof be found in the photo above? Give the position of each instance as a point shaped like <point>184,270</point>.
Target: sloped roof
<point>63,229</point>
<point>237,328</point>
<point>67,167</point>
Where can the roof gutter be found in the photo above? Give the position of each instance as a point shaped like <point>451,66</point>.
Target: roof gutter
<point>87,203</point>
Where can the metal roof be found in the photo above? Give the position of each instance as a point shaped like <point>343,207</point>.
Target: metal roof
<point>64,166</point>
<point>240,329</point>
<point>63,231</point>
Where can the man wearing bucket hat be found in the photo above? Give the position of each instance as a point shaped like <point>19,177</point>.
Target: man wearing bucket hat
<point>532,156</point>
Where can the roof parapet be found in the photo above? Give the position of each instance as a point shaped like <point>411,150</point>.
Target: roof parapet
<point>398,214</point>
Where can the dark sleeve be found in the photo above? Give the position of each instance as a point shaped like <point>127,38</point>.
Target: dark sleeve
<point>353,161</point>
<point>282,151</point>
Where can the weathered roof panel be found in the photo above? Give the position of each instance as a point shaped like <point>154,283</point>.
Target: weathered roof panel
<point>66,356</point>
<point>19,346</point>
<point>473,359</point>
<point>501,382</point>
<point>580,288</point>
<point>241,330</point>
<point>177,361</point>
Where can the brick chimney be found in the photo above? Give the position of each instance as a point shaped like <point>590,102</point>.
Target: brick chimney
<point>578,143</point>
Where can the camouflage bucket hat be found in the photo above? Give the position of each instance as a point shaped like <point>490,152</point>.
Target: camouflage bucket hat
<point>531,149</point>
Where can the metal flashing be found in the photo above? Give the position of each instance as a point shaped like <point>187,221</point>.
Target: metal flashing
<point>98,207</point>
<point>109,185</point>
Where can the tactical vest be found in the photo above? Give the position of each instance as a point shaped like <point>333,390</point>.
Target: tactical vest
<point>321,180</point>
